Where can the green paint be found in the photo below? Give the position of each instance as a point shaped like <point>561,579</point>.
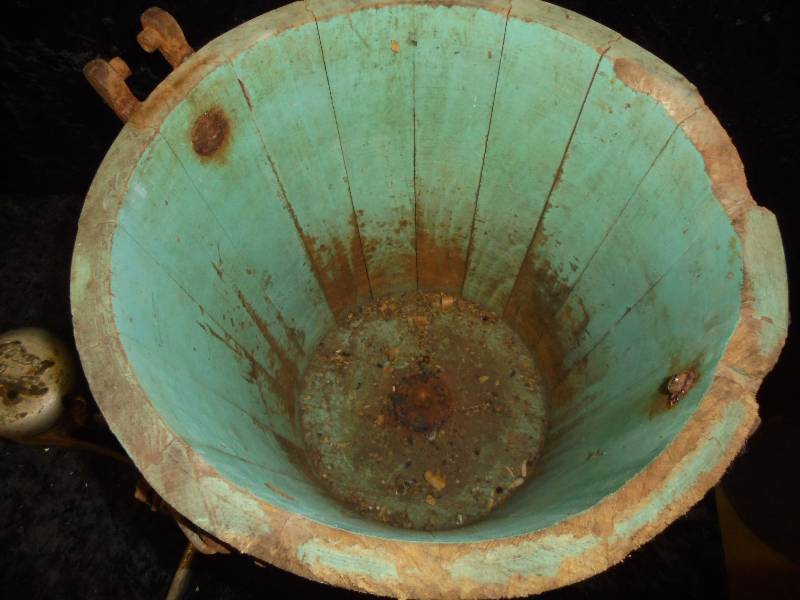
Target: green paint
<point>618,136</point>
<point>287,89</point>
<point>767,278</point>
<point>520,168</point>
<point>371,85</point>
<point>537,559</point>
<point>686,474</point>
<point>675,226</point>
<point>456,55</point>
<point>346,560</point>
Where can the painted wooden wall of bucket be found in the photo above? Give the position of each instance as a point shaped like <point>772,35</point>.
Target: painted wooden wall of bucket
<point>517,155</point>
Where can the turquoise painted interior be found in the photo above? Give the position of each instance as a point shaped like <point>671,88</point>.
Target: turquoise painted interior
<point>419,146</point>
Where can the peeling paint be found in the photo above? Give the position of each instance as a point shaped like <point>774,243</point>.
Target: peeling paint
<point>316,552</point>
<point>540,559</point>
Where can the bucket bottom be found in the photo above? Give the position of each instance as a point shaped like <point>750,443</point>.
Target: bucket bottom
<point>423,411</point>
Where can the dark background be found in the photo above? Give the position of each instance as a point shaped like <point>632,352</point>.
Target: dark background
<point>69,526</point>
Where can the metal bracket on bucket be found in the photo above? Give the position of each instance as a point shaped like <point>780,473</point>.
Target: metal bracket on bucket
<point>160,31</point>
<point>108,80</point>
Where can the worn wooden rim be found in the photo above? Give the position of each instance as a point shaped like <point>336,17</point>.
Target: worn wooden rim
<point>604,534</point>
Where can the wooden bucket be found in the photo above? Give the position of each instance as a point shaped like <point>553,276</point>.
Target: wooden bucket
<point>516,158</point>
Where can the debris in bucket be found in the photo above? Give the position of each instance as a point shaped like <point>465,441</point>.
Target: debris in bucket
<point>595,454</point>
<point>425,440</point>
<point>437,480</point>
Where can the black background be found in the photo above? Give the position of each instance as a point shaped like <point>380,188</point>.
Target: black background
<point>68,524</point>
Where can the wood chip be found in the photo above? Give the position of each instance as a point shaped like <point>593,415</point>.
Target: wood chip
<point>419,320</point>
<point>436,480</point>
<point>447,301</point>
<point>516,483</point>
<point>430,500</point>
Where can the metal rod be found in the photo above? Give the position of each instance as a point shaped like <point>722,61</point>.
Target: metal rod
<point>183,574</point>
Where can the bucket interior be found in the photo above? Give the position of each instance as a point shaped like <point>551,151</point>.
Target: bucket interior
<point>449,150</point>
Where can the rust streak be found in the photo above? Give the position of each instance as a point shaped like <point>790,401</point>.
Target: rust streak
<point>286,381</point>
<point>343,286</point>
<point>354,219</point>
<point>279,491</point>
<point>257,371</point>
<point>538,233</point>
<point>441,264</point>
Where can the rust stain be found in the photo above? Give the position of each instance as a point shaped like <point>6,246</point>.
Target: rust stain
<point>341,270</point>
<point>344,287</point>
<point>533,310</point>
<point>400,274</point>
<point>286,380</point>
<point>210,133</point>
<point>295,336</point>
<point>421,401</point>
<point>256,372</point>
<point>679,385</point>
<point>559,176</point>
<point>392,258</point>
<point>441,264</point>
<point>395,46</point>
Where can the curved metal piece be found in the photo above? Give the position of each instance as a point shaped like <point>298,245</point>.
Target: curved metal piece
<point>183,574</point>
<point>108,80</point>
<point>160,31</point>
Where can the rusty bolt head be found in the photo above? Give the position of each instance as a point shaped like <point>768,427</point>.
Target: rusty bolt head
<point>679,385</point>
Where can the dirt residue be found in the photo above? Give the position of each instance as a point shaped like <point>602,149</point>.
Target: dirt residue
<point>423,411</point>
